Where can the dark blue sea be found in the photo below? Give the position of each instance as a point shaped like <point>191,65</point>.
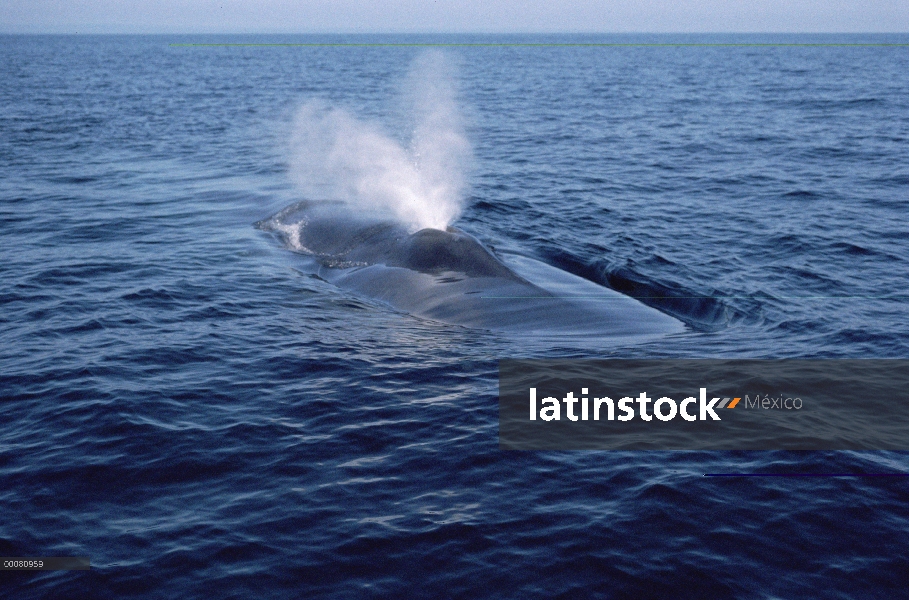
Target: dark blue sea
<point>191,406</point>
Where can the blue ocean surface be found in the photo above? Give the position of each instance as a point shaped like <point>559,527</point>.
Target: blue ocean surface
<point>191,405</point>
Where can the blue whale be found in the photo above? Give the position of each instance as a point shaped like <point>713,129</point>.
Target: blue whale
<point>452,277</point>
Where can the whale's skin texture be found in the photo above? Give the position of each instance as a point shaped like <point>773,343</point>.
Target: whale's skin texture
<point>450,276</point>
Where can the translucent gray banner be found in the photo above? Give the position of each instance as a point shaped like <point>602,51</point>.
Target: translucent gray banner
<point>44,563</point>
<point>704,404</point>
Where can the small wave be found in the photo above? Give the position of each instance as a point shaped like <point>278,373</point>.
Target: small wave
<point>806,194</point>
<point>852,249</point>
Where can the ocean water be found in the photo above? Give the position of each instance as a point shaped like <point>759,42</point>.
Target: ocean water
<point>202,416</point>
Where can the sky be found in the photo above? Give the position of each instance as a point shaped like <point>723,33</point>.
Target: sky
<point>453,16</point>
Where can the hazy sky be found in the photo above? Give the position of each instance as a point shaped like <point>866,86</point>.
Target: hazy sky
<point>342,16</point>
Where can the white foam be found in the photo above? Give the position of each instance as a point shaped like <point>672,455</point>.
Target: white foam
<point>291,233</point>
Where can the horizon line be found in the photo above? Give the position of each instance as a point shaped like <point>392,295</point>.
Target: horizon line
<point>539,44</point>
<point>454,33</point>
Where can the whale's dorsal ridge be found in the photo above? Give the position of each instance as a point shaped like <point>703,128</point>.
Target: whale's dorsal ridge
<point>434,250</point>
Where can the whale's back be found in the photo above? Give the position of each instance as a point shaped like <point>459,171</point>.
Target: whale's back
<point>450,276</point>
